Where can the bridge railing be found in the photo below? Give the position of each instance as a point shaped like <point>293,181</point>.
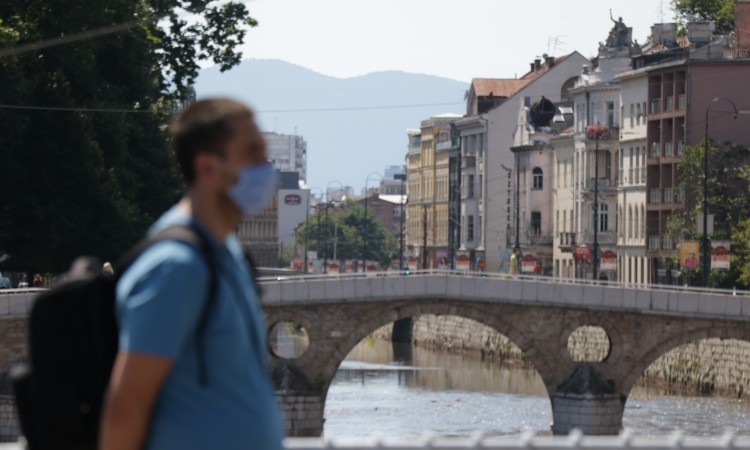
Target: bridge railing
<point>574,441</point>
<point>530,442</point>
<point>503,276</point>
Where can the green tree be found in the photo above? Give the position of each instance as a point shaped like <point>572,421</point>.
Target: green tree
<point>76,179</point>
<point>346,228</point>
<point>728,200</point>
<point>719,11</point>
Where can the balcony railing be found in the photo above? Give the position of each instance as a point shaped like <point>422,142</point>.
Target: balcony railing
<point>667,149</point>
<point>603,237</point>
<point>603,184</point>
<point>653,243</point>
<point>653,150</point>
<point>655,106</point>
<point>681,102</point>
<point>533,239</point>
<point>668,195</point>
<point>567,240</point>
<point>680,148</point>
<point>679,195</point>
<point>670,104</point>
<point>654,196</point>
<point>669,243</point>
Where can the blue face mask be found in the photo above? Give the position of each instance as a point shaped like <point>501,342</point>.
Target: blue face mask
<point>255,185</point>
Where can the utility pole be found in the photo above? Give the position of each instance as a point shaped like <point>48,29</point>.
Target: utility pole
<point>424,237</point>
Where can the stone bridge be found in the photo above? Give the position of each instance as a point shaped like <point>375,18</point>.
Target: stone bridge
<point>538,315</point>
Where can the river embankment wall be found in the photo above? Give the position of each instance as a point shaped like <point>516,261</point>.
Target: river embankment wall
<point>706,366</point>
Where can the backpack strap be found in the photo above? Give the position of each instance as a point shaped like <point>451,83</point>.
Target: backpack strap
<point>192,237</point>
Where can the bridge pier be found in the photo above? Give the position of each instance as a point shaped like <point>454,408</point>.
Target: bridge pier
<point>303,413</point>
<point>588,402</point>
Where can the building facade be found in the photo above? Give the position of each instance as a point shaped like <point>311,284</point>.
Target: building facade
<point>288,153</point>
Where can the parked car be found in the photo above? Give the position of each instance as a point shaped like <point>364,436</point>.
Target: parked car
<point>4,282</point>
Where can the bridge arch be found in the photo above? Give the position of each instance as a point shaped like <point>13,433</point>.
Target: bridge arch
<point>368,323</point>
<point>664,346</point>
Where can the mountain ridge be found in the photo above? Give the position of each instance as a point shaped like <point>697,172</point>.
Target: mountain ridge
<point>353,126</point>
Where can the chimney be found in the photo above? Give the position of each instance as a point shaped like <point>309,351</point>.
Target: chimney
<point>532,67</point>
<point>549,61</point>
<point>742,27</point>
<point>537,64</point>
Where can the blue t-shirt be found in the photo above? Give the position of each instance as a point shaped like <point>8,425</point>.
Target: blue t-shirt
<point>159,304</point>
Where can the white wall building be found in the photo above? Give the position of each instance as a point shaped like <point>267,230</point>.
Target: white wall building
<point>288,153</point>
<point>632,263</point>
<point>552,79</point>
<point>564,205</point>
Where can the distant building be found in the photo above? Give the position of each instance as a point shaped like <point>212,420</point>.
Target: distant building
<point>427,177</point>
<point>288,153</point>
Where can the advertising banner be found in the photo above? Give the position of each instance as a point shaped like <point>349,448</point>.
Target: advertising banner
<point>720,255</point>
<point>412,263</point>
<point>528,264</point>
<point>583,253</point>
<point>462,261</point>
<point>690,255</point>
<point>609,260</point>
<point>441,259</point>
<point>333,268</point>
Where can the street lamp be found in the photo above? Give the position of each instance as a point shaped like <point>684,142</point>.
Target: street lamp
<point>328,200</point>
<point>706,248</point>
<point>596,131</point>
<point>307,221</point>
<point>364,222</point>
<point>402,177</point>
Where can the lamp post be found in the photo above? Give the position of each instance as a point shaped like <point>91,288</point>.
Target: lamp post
<point>706,247</point>
<point>328,201</point>
<point>596,132</point>
<point>364,222</point>
<point>402,177</point>
<point>307,222</point>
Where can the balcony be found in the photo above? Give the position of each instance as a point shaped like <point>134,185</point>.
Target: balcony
<point>533,239</point>
<point>653,243</point>
<point>668,195</point>
<point>668,150</point>
<point>602,185</point>
<point>680,148</point>
<point>603,237</point>
<point>655,107</point>
<point>653,150</point>
<point>567,241</point>
<point>681,102</point>
<point>654,196</point>
<point>669,106</point>
<point>669,243</point>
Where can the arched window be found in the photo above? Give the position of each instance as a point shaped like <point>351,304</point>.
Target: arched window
<point>538,178</point>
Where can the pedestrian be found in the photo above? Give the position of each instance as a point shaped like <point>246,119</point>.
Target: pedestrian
<point>107,269</point>
<point>38,281</point>
<point>155,400</point>
<point>514,261</point>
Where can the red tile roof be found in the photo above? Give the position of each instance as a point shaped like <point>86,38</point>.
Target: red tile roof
<point>493,87</point>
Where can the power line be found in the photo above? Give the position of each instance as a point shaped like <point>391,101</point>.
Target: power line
<point>75,37</point>
<point>277,111</point>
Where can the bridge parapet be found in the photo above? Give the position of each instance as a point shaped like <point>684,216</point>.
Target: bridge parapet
<point>17,302</point>
<point>390,286</point>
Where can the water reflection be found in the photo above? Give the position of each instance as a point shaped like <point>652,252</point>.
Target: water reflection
<point>400,391</point>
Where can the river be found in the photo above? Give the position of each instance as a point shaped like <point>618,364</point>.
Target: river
<point>397,390</point>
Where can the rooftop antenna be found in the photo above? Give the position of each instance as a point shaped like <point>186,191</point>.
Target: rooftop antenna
<point>661,11</point>
<point>555,42</point>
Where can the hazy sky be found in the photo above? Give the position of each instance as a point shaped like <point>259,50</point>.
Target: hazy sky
<point>458,39</point>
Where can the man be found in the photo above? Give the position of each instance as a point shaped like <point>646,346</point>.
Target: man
<point>155,399</point>
<point>514,261</point>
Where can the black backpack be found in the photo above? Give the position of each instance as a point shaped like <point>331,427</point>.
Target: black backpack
<point>73,343</point>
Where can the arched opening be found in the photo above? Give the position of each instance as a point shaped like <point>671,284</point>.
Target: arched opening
<point>700,388</point>
<point>589,344</point>
<point>456,377</point>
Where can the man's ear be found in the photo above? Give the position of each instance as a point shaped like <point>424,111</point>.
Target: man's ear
<point>206,169</point>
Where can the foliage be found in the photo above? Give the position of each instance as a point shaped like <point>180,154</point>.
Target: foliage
<point>346,228</point>
<point>728,200</point>
<point>84,182</point>
<point>719,11</point>
<point>597,132</point>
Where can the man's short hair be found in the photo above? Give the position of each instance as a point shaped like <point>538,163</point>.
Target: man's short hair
<point>204,127</point>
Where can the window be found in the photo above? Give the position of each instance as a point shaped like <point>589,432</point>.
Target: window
<point>538,178</point>
<point>632,114</point>
<point>536,223</point>
<point>611,122</point>
<point>470,229</point>
<point>603,217</point>
<point>470,186</point>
